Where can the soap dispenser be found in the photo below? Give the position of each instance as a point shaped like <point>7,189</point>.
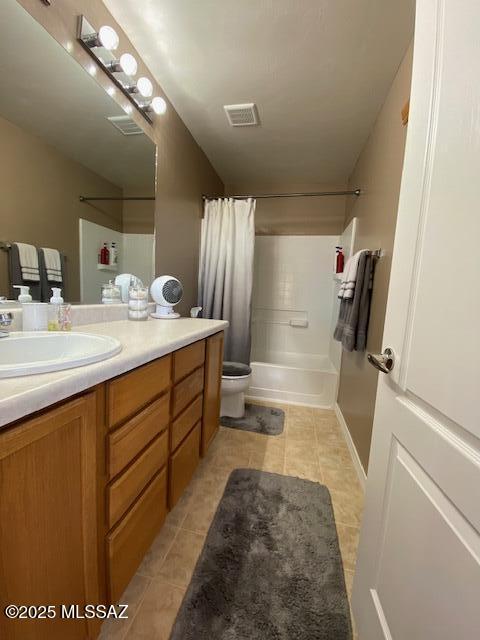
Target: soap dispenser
<point>24,293</point>
<point>34,314</point>
<point>58,312</point>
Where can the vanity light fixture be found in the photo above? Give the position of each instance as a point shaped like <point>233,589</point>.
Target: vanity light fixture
<point>100,46</point>
<point>145,87</point>
<point>159,105</point>
<point>106,37</point>
<point>127,64</point>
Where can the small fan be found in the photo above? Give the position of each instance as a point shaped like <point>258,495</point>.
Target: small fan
<point>167,291</point>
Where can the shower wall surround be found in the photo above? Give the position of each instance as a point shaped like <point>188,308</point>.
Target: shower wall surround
<point>293,282</point>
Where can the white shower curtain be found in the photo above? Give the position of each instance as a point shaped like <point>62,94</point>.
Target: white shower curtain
<point>226,271</point>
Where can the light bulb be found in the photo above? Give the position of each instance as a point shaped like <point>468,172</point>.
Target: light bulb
<point>108,38</point>
<point>159,105</point>
<point>128,64</point>
<point>145,87</point>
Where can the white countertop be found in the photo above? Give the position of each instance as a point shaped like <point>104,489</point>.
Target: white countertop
<point>141,343</point>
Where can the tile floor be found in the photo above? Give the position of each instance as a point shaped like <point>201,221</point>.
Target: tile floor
<point>312,447</point>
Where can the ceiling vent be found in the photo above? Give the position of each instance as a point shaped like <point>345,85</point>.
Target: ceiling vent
<point>126,125</point>
<point>242,115</point>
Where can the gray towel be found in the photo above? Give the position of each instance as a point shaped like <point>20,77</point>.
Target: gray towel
<point>352,325</point>
<point>46,283</point>
<point>15,273</point>
<point>364,311</point>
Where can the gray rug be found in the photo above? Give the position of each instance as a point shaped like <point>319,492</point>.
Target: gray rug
<point>271,567</point>
<point>259,419</point>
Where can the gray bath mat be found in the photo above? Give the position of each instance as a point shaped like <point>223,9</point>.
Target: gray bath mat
<point>271,567</point>
<point>259,419</point>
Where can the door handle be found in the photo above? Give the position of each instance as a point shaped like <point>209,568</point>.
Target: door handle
<point>384,362</point>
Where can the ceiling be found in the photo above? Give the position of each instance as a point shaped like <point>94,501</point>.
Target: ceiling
<point>46,92</point>
<point>318,70</point>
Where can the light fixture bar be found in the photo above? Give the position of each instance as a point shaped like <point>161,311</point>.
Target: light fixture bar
<point>86,35</point>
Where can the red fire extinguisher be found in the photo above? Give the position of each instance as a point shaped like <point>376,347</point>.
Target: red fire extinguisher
<point>340,262</point>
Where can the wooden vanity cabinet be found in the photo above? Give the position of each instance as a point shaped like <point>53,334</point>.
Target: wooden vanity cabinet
<point>185,431</point>
<point>48,515</point>
<point>85,487</point>
<point>211,391</point>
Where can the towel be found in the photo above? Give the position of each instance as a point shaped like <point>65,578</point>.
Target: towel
<point>352,325</point>
<point>28,258</point>
<point>53,265</point>
<point>349,279</point>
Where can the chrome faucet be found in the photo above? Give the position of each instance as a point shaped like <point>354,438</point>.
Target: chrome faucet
<point>6,319</point>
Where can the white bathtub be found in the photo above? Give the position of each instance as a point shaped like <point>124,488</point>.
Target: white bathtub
<point>295,378</point>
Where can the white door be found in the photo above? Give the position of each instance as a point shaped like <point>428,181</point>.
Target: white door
<point>418,569</point>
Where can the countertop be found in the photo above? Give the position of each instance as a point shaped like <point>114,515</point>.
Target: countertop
<point>141,343</point>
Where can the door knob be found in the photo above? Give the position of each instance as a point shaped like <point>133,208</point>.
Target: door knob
<point>384,362</point>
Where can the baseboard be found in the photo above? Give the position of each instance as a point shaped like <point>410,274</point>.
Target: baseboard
<point>362,476</point>
<point>276,401</point>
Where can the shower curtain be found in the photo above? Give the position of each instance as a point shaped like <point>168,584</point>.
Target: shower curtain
<point>225,277</point>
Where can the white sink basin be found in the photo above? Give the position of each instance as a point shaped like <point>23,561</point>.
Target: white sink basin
<point>23,353</point>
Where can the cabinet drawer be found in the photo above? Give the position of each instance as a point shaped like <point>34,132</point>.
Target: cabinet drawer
<point>126,442</point>
<point>126,488</point>
<point>131,539</point>
<point>183,464</point>
<point>185,391</point>
<point>187,359</point>
<point>132,391</point>
<point>185,421</point>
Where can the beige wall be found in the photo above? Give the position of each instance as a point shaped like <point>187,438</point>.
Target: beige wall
<point>39,202</point>
<point>183,170</point>
<point>295,216</point>
<point>378,173</point>
<point>138,215</point>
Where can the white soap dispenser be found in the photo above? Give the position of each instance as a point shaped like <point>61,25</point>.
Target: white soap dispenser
<point>54,309</point>
<point>24,295</point>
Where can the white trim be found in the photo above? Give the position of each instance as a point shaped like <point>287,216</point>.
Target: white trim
<point>264,399</point>
<point>362,476</point>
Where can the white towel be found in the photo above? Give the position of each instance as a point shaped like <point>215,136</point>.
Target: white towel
<point>28,258</point>
<point>349,279</point>
<point>53,265</point>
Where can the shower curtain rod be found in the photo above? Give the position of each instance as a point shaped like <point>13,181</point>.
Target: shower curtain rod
<point>354,192</point>
<point>90,198</point>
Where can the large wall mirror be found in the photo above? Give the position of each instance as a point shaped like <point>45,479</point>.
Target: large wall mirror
<point>63,136</point>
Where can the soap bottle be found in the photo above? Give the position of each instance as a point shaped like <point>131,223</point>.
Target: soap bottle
<point>113,254</point>
<point>24,293</point>
<point>105,254</point>
<point>59,313</point>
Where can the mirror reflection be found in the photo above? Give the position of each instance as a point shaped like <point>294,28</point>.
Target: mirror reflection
<point>64,137</point>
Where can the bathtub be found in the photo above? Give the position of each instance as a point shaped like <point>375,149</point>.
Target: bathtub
<point>295,378</point>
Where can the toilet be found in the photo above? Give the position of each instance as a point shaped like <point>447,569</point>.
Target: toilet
<point>236,378</point>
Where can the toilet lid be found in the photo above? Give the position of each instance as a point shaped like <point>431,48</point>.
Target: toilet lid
<point>236,369</point>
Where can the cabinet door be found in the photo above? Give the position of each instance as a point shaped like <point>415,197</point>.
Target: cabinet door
<point>211,394</point>
<point>48,525</point>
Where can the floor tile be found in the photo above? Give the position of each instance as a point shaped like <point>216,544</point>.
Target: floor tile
<point>201,513</point>
<point>117,629</point>
<point>348,539</point>
<point>334,455</point>
<point>342,479</point>
<point>177,515</point>
<point>179,564</point>
<point>300,451</point>
<point>349,583</point>
<point>157,553</point>
<point>157,612</point>
<point>348,507</point>
<point>232,457</point>
<point>300,469</point>
<point>272,462</point>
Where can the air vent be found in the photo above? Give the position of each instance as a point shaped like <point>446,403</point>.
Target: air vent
<point>126,125</point>
<point>242,115</point>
